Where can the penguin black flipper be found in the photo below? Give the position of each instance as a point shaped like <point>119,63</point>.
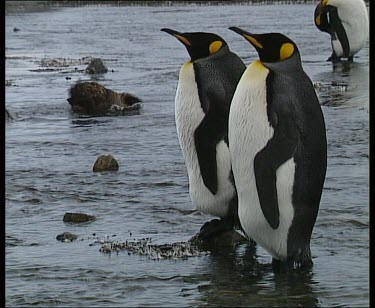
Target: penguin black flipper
<point>339,30</point>
<point>278,150</point>
<point>211,130</point>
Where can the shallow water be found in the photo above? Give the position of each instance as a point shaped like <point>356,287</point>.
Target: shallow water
<point>50,153</point>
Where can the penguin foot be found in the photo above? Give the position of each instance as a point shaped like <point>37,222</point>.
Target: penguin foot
<point>213,228</point>
<point>218,232</point>
<point>290,264</point>
<point>334,59</point>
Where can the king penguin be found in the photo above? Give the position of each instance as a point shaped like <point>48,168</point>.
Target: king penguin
<point>278,148</point>
<point>347,23</point>
<point>205,89</point>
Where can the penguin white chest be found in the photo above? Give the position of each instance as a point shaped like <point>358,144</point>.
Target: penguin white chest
<point>188,115</point>
<point>249,133</point>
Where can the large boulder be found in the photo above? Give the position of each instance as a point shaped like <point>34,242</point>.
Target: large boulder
<point>91,98</point>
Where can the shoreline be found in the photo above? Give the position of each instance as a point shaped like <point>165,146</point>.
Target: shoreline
<point>15,6</point>
<point>40,6</point>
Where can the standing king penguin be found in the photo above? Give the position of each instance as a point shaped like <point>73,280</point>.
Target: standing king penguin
<point>278,147</point>
<point>347,23</point>
<point>205,89</point>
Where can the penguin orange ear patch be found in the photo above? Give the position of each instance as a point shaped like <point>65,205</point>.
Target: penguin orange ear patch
<point>286,51</point>
<point>215,46</point>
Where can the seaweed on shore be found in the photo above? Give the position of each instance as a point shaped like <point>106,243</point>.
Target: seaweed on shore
<point>144,247</point>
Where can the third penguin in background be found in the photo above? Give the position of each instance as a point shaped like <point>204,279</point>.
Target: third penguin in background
<point>347,23</point>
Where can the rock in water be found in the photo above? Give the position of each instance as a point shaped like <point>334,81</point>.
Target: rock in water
<point>105,163</point>
<point>96,66</point>
<point>9,115</point>
<point>91,98</point>
<point>78,217</point>
<point>66,237</point>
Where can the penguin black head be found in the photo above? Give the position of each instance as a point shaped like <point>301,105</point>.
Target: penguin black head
<point>320,16</point>
<point>317,14</point>
<point>271,47</point>
<point>198,44</point>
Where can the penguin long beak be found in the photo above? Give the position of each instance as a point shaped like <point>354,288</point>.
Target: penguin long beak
<point>317,13</point>
<point>177,35</point>
<point>248,36</point>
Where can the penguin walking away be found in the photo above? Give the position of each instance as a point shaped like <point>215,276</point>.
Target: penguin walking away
<point>278,147</point>
<point>205,89</point>
<point>347,23</point>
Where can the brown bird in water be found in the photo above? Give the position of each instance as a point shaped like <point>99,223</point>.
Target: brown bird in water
<point>91,98</point>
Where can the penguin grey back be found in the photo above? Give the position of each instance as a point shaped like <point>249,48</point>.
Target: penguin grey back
<point>217,77</point>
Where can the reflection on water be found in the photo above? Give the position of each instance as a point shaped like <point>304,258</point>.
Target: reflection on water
<point>50,153</point>
<point>238,278</point>
<point>346,85</point>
